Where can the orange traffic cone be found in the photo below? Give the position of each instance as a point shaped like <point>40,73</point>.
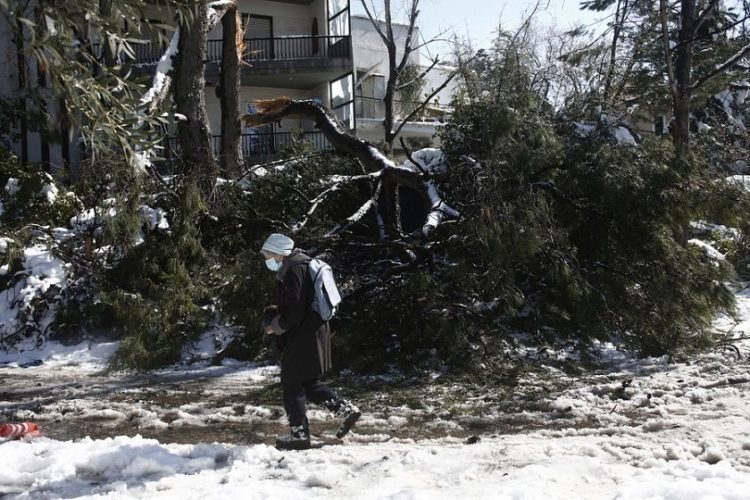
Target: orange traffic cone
<point>19,430</point>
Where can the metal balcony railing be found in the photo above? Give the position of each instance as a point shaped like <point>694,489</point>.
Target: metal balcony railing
<point>257,147</point>
<point>145,52</point>
<point>288,48</point>
<point>257,49</point>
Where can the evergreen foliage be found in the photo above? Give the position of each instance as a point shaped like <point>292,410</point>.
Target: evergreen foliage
<point>581,235</point>
<point>29,195</point>
<point>566,232</point>
<point>102,102</point>
<point>160,300</point>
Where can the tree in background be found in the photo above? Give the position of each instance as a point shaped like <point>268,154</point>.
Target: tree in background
<point>689,47</point>
<point>190,98</point>
<point>400,79</point>
<point>101,102</point>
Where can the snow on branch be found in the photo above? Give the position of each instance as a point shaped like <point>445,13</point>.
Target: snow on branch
<point>732,61</point>
<point>162,81</point>
<point>382,168</point>
<point>162,78</point>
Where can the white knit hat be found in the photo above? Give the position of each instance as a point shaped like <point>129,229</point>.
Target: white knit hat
<point>278,244</point>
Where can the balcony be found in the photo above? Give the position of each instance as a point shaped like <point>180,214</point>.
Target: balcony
<point>298,62</point>
<point>259,147</point>
<point>290,48</point>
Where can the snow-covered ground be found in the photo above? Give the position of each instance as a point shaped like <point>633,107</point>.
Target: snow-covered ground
<point>635,429</point>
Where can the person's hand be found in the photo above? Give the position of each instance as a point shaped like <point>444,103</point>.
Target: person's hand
<point>269,313</point>
<point>269,330</point>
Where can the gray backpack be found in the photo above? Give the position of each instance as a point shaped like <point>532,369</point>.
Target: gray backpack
<point>326,294</point>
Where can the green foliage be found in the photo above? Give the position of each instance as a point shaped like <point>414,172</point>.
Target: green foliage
<point>627,74</point>
<point>103,103</point>
<point>413,82</point>
<point>580,236</point>
<point>28,195</point>
<point>160,299</point>
<point>10,115</point>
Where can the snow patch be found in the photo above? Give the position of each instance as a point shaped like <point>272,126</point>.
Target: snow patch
<point>624,136</point>
<point>709,250</point>
<point>49,191</point>
<point>12,186</point>
<point>163,67</point>
<point>156,218</point>
<point>740,180</point>
<point>41,271</point>
<point>430,160</point>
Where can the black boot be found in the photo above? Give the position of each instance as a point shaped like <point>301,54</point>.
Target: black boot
<point>347,411</point>
<point>297,439</point>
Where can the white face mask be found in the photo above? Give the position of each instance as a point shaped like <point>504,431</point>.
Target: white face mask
<point>272,264</point>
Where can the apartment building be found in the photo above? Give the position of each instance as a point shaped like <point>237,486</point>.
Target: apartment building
<point>371,72</point>
<point>302,49</point>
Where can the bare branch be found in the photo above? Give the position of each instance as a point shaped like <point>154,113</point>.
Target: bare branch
<point>424,103</point>
<point>411,158</point>
<point>408,49</point>
<point>667,51</point>
<point>375,22</point>
<point>436,38</point>
<point>381,167</point>
<point>421,75</point>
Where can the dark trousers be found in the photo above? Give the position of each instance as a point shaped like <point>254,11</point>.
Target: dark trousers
<point>295,396</point>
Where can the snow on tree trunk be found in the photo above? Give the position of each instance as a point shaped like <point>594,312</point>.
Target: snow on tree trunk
<point>162,79</point>
<point>207,17</point>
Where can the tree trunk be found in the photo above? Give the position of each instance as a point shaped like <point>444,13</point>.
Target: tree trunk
<point>683,71</point>
<point>620,16</point>
<point>22,78</point>
<point>105,11</point>
<point>388,120</point>
<point>229,93</point>
<point>190,100</point>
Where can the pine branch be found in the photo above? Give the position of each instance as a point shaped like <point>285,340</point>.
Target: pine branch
<point>704,15</point>
<point>722,67</point>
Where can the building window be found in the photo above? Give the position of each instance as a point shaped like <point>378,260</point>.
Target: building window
<point>259,37</point>
<point>342,99</point>
<point>338,17</point>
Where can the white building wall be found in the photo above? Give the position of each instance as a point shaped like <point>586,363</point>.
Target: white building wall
<point>288,19</point>
<point>435,78</point>
<point>369,51</point>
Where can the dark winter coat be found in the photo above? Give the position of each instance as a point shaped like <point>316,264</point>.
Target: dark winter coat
<point>306,338</point>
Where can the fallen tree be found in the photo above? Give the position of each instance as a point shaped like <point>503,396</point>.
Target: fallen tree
<point>381,172</point>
